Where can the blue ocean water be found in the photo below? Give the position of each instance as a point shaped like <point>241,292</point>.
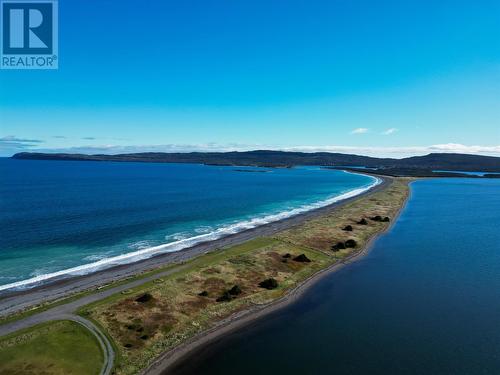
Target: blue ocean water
<point>426,300</point>
<point>59,215</point>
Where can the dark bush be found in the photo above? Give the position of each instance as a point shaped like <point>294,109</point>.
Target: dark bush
<point>338,246</point>
<point>350,243</point>
<point>235,290</point>
<point>146,297</point>
<point>302,258</point>
<point>386,219</point>
<point>144,337</point>
<point>269,283</point>
<point>348,228</point>
<point>203,294</point>
<point>287,255</point>
<point>127,345</point>
<point>225,297</point>
<point>376,218</point>
<point>363,221</point>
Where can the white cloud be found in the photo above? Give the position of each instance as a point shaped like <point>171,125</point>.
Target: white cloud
<point>402,151</point>
<point>11,144</point>
<point>459,148</point>
<point>360,131</point>
<point>390,131</point>
<point>12,138</point>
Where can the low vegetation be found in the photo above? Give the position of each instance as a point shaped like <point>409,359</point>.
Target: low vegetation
<point>176,309</point>
<point>160,315</point>
<point>269,283</point>
<point>56,348</point>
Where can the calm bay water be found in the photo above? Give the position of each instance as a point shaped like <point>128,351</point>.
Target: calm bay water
<point>57,215</point>
<point>426,300</point>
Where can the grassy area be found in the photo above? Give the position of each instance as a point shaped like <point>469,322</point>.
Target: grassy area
<point>326,230</point>
<point>174,310</point>
<point>61,347</point>
<point>36,309</point>
<point>160,315</point>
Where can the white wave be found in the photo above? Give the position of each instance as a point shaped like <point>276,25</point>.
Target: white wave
<point>139,245</point>
<point>178,236</point>
<point>38,272</point>
<point>93,258</point>
<point>185,242</point>
<point>8,277</point>
<point>204,229</point>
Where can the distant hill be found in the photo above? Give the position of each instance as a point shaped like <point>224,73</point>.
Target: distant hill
<point>267,158</point>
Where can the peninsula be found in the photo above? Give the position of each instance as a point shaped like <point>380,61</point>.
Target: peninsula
<point>143,317</point>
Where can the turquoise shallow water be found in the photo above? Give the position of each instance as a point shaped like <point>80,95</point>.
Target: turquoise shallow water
<point>426,300</point>
<point>83,216</point>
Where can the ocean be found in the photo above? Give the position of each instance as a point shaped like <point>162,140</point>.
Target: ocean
<point>66,217</point>
<point>425,300</point>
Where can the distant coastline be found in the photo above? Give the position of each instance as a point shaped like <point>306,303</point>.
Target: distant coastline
<point>422,166</point>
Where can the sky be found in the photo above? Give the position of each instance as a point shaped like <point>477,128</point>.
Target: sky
<point>383,78</point>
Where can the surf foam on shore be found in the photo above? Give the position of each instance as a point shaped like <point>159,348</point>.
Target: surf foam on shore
<point>148,252</point>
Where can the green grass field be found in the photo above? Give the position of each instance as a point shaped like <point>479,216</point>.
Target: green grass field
<point>56,348</point>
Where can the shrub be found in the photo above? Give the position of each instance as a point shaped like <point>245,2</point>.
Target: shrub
<point>386,219</point>
<point>287,255</point>
<point>235,290</point>
<point>269,283</point>
<point>348,228</point>
<point>203,294</point>
<point>376,218</point>
<point>338,246</point>
<point>302,258</point>
<point>351,243</point>
<point>146,297</point>
<point>225,297</point>
<point>363,221</point>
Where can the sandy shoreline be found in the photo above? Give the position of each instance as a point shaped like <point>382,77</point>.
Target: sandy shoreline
<point>12,301</point>
<point>169,360</point>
